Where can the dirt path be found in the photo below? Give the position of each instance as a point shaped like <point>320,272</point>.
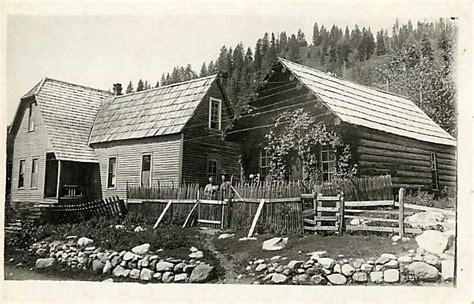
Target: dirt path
<point>22,274</point>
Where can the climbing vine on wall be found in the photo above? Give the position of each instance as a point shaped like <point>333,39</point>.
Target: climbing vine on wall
<point>296,137</point>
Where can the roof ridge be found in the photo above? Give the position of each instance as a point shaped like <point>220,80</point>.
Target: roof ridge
<point>77,85</point>
<point>168,85</point>
<point>343,79</point>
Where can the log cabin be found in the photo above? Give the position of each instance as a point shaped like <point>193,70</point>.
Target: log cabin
<point>73,143</point>
<point>388,134</point>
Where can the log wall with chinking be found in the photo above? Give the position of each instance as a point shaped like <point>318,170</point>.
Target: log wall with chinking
<point>28,145</point>
<point>201,143</point>
<point>165,152</point>
<point>407,160</point>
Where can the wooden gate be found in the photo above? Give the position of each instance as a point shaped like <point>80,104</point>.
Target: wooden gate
<point>323,213</point>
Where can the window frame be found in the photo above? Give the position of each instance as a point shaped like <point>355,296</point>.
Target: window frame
<point>21,173</point>
<point>328,162</point>
<point>151,168</point>
<point>34,165</point>
<point>31,117</point>
<point>263,154</point>
<point>212,159</point>
<point>219,113</point>
<point>434,171</point>
<point>114,186</point>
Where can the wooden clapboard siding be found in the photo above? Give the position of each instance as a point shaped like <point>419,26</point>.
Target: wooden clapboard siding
<point>26,146</point>
<point>201,143</point>
<point>165,152</point>
<point>407,160</point>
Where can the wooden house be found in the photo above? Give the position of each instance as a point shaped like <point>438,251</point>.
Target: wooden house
<point>165,135</point>
<point>388,134</point>
<point>73,143</point>
<point>51,160</point>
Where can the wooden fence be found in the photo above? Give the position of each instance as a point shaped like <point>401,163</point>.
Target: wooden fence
<point>282,207</point>
<point>73,213</point>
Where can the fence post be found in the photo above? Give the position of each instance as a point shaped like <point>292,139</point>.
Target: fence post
<point>229,207</point>
<point>342,226</point>
<point>401,228</point>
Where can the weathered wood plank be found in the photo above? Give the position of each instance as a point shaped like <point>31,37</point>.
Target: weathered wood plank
<point>369,203</point>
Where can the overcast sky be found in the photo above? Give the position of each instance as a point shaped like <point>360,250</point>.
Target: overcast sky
<point>98,50</point>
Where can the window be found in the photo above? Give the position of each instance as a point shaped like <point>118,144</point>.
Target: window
<point>146,170</point>
<point>265,161</point>
<point>111,181</point>
<point>215,108</point>
<point>434,172</point>
<point>31,118</point>
<point>212,168</point>
<point>34,173</point>
<point>328,164</point>
<point>21,174</point>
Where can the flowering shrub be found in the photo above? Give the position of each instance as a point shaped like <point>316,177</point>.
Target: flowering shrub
<point>297,136</point>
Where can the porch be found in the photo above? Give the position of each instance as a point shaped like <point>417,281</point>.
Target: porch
<point>70,182</point>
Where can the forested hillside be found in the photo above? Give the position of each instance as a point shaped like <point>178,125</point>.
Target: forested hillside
<point>413,61</point>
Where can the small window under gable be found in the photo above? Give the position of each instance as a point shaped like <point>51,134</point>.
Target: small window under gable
<point>215,113</point>
<point>31,117</point>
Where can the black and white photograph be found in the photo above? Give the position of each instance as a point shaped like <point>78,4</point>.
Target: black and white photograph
<point>295,147</point>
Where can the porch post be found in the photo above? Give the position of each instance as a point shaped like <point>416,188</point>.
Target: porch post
<point>58,184</point>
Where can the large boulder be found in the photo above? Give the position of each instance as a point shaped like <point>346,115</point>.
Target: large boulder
<point>276,243</point>
<point>336,279</point>
<point>97,266</point>
<point>279,278</point>
<point>376,277</point>
<point>119,271</point>
<point>44,263</point>
<point>134,274</point>
<point>294,264</point>
<point>83,241</point>
<point>168,277</point>
<point>434,241</point>
<point>425,220</point>
<point>146,274</point>
<point>163,266</point>
<point>327,263</point>
<point>107,267</point>
<point>360,277</point>
<point>423,271</point>
<point>202,273</point>
<point>196,255</point>
<point>347,270</point>
<point>141,249</point>
<point>129,256</point>
<point>391,276</point>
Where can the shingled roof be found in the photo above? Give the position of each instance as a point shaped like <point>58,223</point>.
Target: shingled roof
<point>371,108</point>
<point>160,111</point>
<point>68,111</point>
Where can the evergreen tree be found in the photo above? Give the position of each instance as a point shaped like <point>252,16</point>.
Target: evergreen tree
<point>157,84</point>
<point>258,58</point>
<point>140,86</point>
<point>283,44</point>
<point>301,39</point>
<point>316,39</point>
<point>163,80</point>
<point>211,68</point>
<point>426,49</point>
<point>293,48</point>
<point>203,71</point>
<point>129,88</point>
<point>380,46</point>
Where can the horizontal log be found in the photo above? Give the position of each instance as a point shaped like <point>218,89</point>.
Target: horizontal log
<point>404,148</point>
<point>394,160</point>
<point>424,208</point>
<point>446,167</point>
<point>209,222</point>
<point>403,141</point>
<point>363,164</point>
<point>320,228</point>
<point>307,196</point>
<point>447,172</point>
<point>373,219</point>
<point>327,209</point>
<point>382,229</point>
<point>446,178</point>
<point>308,212</point>
<point>447,184</point>
<point>269,201</point>
<point>398,154</point>
<point>412,180</point>
<point>391,212</point>
<point>328,198</point>
<point>369,203</point>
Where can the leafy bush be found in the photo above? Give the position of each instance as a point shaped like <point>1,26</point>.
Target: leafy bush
<point>446,198</point>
